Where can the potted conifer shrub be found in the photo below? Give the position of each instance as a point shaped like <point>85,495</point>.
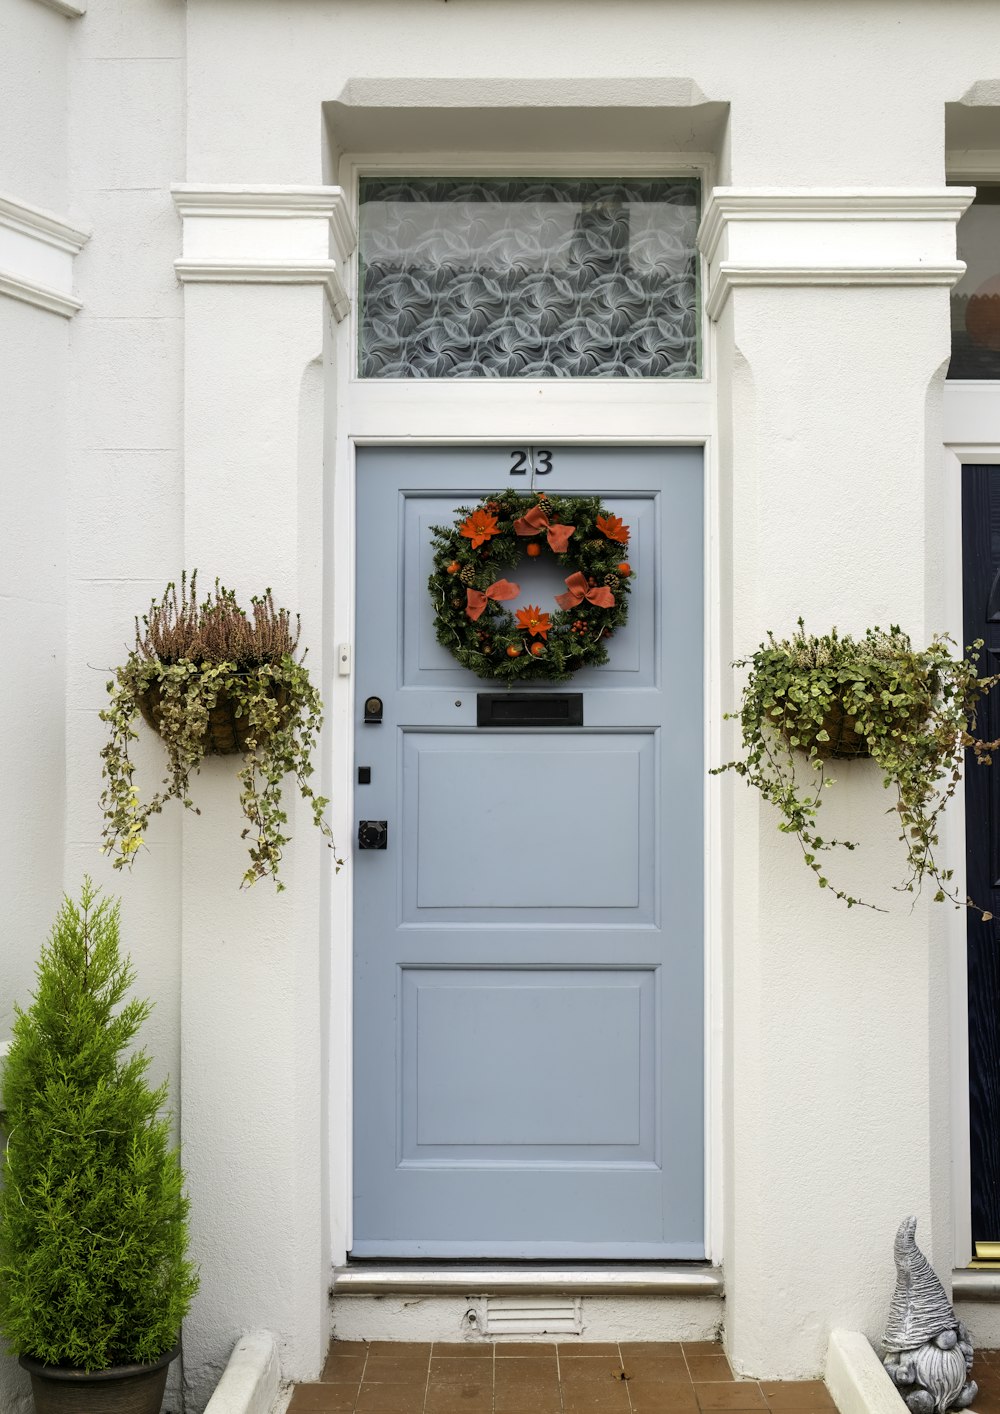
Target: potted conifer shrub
<point>94,1276</point>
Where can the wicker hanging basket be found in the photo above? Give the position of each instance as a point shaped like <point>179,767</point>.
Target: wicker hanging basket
<point>845,743</point>
<point>228,730</point>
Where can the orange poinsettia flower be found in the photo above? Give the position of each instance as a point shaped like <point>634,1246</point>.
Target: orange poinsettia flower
<point>534,620</point>
<point>479,527</point>
<point>614,528</point>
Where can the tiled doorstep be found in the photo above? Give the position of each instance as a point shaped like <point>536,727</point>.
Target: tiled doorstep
<point>649,1377</point>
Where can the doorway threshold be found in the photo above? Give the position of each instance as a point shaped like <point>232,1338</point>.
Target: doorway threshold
<point>380,1278</point>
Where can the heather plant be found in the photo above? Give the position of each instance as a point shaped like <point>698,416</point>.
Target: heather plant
<point>210,678</point>
<point>814,698</point>
<point>93,1214</point>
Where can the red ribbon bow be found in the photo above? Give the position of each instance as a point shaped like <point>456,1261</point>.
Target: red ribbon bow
<point>600,595</point>
<point>536,520</point>
<point>477,599</point>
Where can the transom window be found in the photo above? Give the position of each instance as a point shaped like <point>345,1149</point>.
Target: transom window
<point>529,278</point>
<point>975,300</point>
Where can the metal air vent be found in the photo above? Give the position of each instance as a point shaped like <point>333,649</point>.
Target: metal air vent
<point>532,1315</point>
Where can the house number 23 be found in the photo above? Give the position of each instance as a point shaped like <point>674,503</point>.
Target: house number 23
<point>539,463</point>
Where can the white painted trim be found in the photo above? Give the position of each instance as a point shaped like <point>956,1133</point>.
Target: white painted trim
<point>65,7</point>
<point>36,256</point>
<point>41,225</point>
<point>729,277</point>
<point>39,295</point>
<point>273,203</point>
<point>266,235</point>
<point>971,432</point>
<point>844,237</point>
<point>255,272</point>
<point>651,412</point>
<point>856,1377</point>
<point>251,1379</point>
<point>727,204</point>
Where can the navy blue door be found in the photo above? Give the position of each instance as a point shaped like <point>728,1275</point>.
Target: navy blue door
<point>981,575</point>
<point>528,959</point>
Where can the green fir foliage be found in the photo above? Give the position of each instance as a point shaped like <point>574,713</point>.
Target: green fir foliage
<point>93,1215</point>
<point>810,699</point>
<point>194,664</point>
<point>496,646</point>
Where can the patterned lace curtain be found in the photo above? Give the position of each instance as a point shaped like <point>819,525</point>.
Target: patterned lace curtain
<point>516,278</point>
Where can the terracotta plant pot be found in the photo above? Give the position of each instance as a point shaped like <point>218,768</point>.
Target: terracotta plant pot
<point>124,1389</point>
<point>227,733</point>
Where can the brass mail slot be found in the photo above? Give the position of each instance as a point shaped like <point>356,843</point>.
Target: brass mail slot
<point>529,709</point>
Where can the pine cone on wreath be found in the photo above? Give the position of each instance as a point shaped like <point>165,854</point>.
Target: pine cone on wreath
<point>598,546</point>
<point>612,581</point>
<point>468,575</point>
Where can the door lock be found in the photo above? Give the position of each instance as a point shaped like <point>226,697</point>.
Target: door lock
<point>373,834</point>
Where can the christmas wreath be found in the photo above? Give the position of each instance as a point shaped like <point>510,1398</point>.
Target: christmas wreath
<point>469,585</point>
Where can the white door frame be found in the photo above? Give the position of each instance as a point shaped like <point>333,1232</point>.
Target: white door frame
<point>582,411</point>
<point>971,421</point>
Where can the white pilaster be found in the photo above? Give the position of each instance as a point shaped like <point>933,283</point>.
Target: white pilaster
<point>832,310</point>
<point>257,277</point>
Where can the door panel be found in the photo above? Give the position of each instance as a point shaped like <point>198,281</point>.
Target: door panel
<point>577,1088</point>
<point>528,948</point>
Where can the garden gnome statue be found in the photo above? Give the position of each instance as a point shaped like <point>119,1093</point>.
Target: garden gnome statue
<point>930,1353</point>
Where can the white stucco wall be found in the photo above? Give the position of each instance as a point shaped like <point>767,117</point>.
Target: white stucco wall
<point>195,433</point>
<point>34,47</point>
<point>34,375</point>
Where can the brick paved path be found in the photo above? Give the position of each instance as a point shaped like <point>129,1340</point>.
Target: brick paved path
<point>646,1377</point>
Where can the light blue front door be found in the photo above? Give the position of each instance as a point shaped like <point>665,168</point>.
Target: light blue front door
<point>528,966</point>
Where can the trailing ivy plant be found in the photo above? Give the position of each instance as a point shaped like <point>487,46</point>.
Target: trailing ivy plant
<point>93,1215</point>
<point>810,699</point>
<point>209,678</point>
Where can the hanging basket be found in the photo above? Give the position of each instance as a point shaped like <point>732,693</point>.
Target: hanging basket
<point>229,728</point>
<point>845,743</point>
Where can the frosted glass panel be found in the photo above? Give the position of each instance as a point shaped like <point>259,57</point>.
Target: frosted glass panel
<point>540,278</point>
<point>975,300</point>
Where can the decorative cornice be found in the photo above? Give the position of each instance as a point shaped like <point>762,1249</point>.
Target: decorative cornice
<point>65,7</point>
<point>729,276</point>
<point>273,235</point>
<point>39,295</point>
<point>41,225</point>
<point>727,204</point>
<point>270,203</point>
<point>36,256</point>
<point>255,272</point>
<point>850,236</point>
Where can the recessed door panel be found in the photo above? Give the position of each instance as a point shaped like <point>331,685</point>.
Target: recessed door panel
<point>570,1078</point>
<point>528,958</point>
<point>511,847</point>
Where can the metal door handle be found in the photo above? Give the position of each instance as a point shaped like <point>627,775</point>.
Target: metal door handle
<point>373,834</point>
